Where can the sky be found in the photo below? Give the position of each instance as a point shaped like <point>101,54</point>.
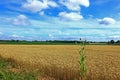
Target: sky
<point>91,20</point>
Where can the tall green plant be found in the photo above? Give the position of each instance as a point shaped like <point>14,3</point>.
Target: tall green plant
<point>82,62</point>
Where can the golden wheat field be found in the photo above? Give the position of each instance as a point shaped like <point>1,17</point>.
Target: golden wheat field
<point>61,61</point>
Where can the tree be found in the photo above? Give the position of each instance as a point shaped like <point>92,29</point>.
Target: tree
<point>17,40</point>
<point>118,41</point>
<point>112,41</point>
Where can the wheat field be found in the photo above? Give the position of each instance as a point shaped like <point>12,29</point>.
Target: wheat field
<point>61,61</point>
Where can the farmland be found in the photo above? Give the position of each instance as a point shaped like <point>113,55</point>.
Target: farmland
<point>61,61</point>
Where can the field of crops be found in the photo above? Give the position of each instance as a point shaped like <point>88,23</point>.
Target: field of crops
<point>61,61</point>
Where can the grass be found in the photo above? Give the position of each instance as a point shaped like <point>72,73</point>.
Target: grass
<point>60,62</point>
<point>6,72</point>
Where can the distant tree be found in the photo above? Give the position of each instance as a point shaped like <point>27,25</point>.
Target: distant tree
<point>35,41</point>
<point>112,41</point>
<point>17,40</point>
<point>118,41</point>
<point>12,40</point>
<point>108,42</point>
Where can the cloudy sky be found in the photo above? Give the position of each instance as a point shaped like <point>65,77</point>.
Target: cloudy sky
<point>93,20</point>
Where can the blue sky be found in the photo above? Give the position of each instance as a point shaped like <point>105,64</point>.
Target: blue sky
<point>93,20</point>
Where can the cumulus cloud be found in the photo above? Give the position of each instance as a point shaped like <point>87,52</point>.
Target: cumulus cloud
<point>51,3</point>
<point>75,4</point>
<point>70,16</point>
<point>36,5</point>
<point>21,20</point>
<point>107,21</point>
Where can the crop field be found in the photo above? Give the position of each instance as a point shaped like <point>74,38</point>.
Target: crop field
<point>60,62</point>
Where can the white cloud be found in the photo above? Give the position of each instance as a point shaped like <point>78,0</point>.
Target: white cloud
<point>75,4</point>
<point>52,4</point>
<point>22,17</point>
<point>1,33</point>
<point>107,21</point>
<point>50,36</point>
<point>70,16</point>
<point>41,13</point>
<point>20,20</point>
<point>114,37</point>
<point>118,37</point>
<point>16,36</point>
<point>36,5</point>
